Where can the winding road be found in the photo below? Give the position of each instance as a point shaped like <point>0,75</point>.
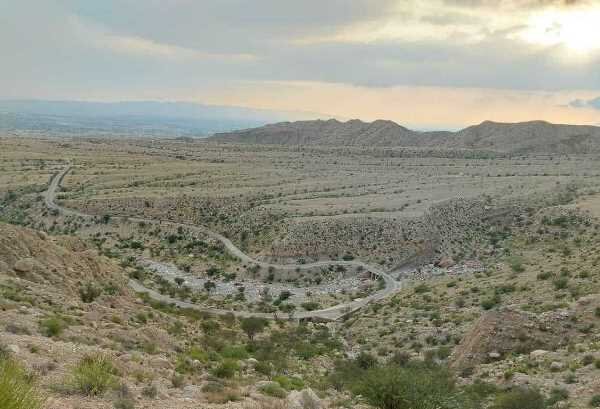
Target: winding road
<point>328,314</point>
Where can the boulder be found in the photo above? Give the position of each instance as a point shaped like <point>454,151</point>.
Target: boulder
<point>191,391</point>
<point>521,379</point>
<point>24,265</point>
<point>159,362</point>
<point>446,262</point>
<point>537,354</point>
<point>13,349</point>
<point>304,399</point>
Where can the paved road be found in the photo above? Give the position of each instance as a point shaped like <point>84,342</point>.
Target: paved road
<point>327,314</point>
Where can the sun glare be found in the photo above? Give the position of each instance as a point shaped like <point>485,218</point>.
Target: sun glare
<point>577,30</point>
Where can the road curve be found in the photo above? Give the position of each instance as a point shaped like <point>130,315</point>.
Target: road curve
<point>327,314</point>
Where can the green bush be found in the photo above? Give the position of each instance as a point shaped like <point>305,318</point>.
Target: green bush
<point>289,383</point>
<point>16,390</point>
<point>226,369</point>
<point>94,375</point>
<point>413,386</point>
<point>198,354</point>
<point>516,264</point>
<point>234,352</point>
<point>53,326</point>
<point>560,283</point>
<point>519,398</point>
<point>489,303</point>
<point>178,380</point>
<point>273,389</point>
<point>89,293</point>
<point>557,395</point>
<point>310,305</point>
<point>595,401</point>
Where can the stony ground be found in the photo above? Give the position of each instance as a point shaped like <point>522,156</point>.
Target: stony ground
<point>507,295</point>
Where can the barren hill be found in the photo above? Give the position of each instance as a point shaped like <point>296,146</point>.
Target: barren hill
<point>334,132</point>
<point>523,137</point>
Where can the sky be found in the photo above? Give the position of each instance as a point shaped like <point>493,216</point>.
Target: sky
<point>429,64</point>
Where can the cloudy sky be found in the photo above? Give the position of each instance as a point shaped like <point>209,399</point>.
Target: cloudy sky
<point>426,63</point>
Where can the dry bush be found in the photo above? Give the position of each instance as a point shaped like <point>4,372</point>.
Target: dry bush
<point>266,404</point>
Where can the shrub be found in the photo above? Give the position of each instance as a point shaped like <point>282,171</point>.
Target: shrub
<point>93,375</point>
<point>414,386</point>
<point>264,367</point>
<point>310,305</point>
<point>481,389</point>
<point>150,391</point>
<point>89,293</point>
<point>234,352</point>
<point>516,264</point>
<point>560,283</point>
<point>273,389</point>
<point>52,327</point>
<point>364,360</point>
<point>123,400</point>
<point>489,303</point>
<point>226,369</point>
<point>557,395</point>
<point>595,401</point>
<point>544,276</point>
<point>289,383</point>
<point>178,380</point>
<point>16,390</point>
<point>519,398</point>
<point>422,288</point>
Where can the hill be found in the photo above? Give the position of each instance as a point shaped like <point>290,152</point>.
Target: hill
<point>333,132</point>
<point>524,137</point>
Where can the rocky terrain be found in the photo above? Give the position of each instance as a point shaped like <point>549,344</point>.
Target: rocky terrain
<point>495,258</point>
<point>515,138</point>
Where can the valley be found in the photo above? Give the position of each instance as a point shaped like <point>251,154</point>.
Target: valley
<point>256,275</point>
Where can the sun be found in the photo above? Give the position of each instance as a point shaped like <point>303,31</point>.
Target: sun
<point>577,30</point>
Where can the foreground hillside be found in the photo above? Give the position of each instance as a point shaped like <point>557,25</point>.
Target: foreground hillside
<point>71,330</point>
<point>520,333</point>
<point>525,137</point>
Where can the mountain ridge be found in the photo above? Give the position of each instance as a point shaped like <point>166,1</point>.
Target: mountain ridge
<point>534,136</point>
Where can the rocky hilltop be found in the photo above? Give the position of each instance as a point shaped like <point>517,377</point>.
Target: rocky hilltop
<point>523,137</point>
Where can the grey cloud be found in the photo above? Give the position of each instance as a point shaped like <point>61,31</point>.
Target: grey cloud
<point>586,103</point>
<point>44,51</point>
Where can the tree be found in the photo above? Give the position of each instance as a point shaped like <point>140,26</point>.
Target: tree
<point>252,326</point>
<point>209,286</point>
<point>179,281</point>
<point>289,309</point>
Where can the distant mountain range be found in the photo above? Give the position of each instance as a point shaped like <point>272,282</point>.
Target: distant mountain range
<point>134,117</point>
<point>523,137</point>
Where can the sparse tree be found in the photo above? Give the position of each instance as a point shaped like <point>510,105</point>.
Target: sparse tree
<point>253,326</point>
<point>209,286</point>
